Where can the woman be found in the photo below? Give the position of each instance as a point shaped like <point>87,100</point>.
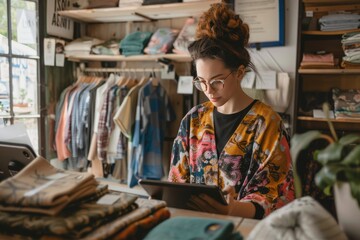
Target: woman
<point>232,141</point>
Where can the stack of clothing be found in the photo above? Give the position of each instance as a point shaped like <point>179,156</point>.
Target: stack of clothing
<point>130,3</point>
<point>151,2</point>
<point>185,37</point>
<point>339,21</point>
<point>134,43</point>
<point>81,46</point>
<point>314,61</point>
<point>44,202</point>
<point>346,103</point>
<point>103,3</point>
<point>110,47</point>
<point>351,46</point>
<point>161,41</point>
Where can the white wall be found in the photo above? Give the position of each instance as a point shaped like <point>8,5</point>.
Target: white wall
<point>284,56</point>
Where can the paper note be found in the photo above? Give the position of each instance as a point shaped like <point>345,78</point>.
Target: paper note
<point>49,51</point>
<point>248,80</point>
<point>266,80</point>
<point>185,85</point>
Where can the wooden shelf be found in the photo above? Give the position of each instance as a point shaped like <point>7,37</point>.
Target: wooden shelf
<point>119,58</point>
<point>310,123</point>
<point>328,33</point>
<point>140,13</point>
<point>327,2</point>
<point>312,119</point>
<point>329,71</point>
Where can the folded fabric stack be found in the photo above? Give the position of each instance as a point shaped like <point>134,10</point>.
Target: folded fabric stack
<point>44,202</point>
<point>81,46</point>
<point>130,3</point>
<point>346,103</point>
<point>339,21</point>
<point>134,43</point>
<point>110,47</point>
<point>185,37</point>
<point>161,41</point>
<point>151,2</point>
<point>103,3</point>
<point>351,46</point>
<point>311,60</point>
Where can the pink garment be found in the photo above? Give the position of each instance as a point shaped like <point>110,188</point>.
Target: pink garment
<point>328,57</point>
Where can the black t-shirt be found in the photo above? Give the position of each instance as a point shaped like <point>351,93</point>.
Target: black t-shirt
<point>225,125</point>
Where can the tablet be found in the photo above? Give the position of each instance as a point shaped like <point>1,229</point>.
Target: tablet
<point>13,158</point>
<point>177,194</point>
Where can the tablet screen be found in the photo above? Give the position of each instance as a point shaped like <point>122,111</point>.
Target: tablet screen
<point>177,194</point>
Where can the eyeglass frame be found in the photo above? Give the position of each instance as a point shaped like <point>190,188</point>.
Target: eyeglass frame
<point>197,79</point>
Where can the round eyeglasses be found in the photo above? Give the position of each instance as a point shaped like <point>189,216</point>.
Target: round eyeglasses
<point>215,84</point>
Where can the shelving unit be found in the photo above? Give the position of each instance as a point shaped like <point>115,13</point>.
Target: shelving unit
<point>135,58</point>
<point>323,80</point>
<point>141,13</point>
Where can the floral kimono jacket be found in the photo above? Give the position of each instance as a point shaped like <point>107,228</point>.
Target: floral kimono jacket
<point>256,159</point>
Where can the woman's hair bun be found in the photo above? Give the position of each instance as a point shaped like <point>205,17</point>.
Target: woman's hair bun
<point>220,22</point>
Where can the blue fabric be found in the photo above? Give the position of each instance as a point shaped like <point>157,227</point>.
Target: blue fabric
<point>152,113</point>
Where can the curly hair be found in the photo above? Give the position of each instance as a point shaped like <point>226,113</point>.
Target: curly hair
<point>221,34</point>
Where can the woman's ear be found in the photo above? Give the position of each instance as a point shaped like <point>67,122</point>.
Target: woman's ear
<point>240,72</point>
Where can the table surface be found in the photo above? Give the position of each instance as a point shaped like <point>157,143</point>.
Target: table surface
<point>242,225</point>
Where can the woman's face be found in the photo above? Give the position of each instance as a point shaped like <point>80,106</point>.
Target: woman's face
<point>210,69</point>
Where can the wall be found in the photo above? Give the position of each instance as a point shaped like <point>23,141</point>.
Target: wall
<point>284,56</point>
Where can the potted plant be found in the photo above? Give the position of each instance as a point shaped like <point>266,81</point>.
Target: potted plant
<point>340,161</point>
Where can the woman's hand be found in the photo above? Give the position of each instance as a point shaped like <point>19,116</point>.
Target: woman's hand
<point>205,203</point>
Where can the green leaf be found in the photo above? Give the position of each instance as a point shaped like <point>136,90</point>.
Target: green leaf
<point>350,138</point>
<point>355,191</point>
<point>300,142</point>
<point>353,157</point>
<point>332,153</point>
<point>326,177</point>
<point>353,175</point>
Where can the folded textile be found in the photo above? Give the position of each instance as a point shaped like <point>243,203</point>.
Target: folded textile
<point>103,3</point>
<point>139,229</point>
<point>303,218</point>
<point>161,41</point>
<point>42,188</point>
<point>72,223</point>
<point>318,58</point>
<point>187,228</point>
<point>110,47</point>
<point>136,39</point>
<point>186,36</point>
<point>346,100</point>
<point>145,208</point>
<point>350,65</point>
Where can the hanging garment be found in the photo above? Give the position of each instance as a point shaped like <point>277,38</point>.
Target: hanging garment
<point>153,111</point>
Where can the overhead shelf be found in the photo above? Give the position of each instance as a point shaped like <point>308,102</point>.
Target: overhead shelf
<point>140,13</point>
<point>329,33</point>
<point>329,71</point>
<point>119,58</point>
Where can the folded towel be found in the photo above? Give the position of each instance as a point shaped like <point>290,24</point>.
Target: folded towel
<point>303,218</point>
<point>42,188</point>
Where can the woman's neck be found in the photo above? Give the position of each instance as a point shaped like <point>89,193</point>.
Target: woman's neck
<point>235,104</point>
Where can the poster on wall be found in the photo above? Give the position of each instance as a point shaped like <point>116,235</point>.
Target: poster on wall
<point>57,25</point>
<point>265,19</point>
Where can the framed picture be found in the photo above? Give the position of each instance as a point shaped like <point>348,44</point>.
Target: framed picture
<point>57,25</point>
<point>266,20</point>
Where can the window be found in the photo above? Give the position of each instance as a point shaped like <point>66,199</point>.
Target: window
<point>19,66</point>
